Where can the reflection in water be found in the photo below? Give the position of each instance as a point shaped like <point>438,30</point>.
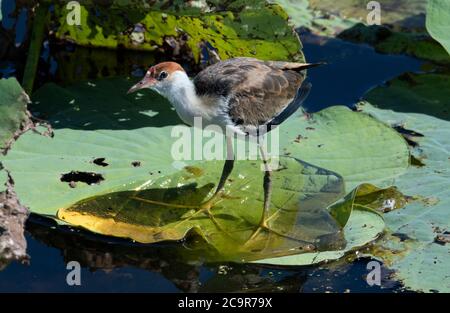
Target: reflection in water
<point>351,71</point>
<point>110,264</point>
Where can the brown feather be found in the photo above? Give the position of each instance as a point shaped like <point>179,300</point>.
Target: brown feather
<point>257,90</point>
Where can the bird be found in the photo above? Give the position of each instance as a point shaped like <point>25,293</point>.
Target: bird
<point>246,95</point>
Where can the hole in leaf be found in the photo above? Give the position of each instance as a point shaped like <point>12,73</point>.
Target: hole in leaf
<point>89,178</point>
<point>100,162</point>
<point>409,135</point>
<point>416,162</point>
<point>136,163</point>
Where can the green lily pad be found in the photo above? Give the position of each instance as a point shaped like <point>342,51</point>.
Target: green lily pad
<point>260,31</point>
<point>98,120</point>
<point>166,209</point>
<point>385,40</point>
<point>427,93</point>
<point>361,222</point>
<point>301,14</point>
<point>403,13</point>
<point>111,146</point>
<point>13,111</point>
<point>337,139</point>
<point>438,21</point>
<point>330,18</point>
<point>423,262</point>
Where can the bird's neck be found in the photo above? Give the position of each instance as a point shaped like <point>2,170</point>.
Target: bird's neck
<point>184,98</point>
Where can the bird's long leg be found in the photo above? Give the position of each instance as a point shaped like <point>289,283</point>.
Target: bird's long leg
<point>226,171</point>
<point>267,186</point>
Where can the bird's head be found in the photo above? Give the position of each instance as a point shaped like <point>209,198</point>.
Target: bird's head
<point>160,78</point>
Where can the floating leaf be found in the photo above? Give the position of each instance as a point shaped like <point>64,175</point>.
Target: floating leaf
<point>356,146</point>
<point>423,264</point>
<point>260,31</point>
<point>303,15</point>
<point>415,93</point>
<point>403,13</point>
<point>13,111</point>
<point>438,21</point>
<point>98,120</point>
<point>385,40</point>
<point>167,210</point>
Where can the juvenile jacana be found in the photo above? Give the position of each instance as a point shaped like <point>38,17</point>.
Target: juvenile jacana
<point>240,94</point>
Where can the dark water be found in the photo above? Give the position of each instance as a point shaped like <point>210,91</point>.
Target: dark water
<point>116,265</point>
<point>351,71</point>
<point>121,266</point>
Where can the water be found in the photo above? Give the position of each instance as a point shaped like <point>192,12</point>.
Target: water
<point>110,265</point>
<point>351,71</point>
<point>118,265</point>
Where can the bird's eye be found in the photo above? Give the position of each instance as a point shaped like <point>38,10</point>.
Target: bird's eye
<point>162,75</point>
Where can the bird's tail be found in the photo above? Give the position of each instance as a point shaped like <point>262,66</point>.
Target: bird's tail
<point>293,66</point>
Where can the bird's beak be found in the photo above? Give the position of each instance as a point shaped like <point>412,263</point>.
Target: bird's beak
<point>146,82</point>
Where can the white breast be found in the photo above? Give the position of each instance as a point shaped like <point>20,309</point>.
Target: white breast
<point>188,105</point>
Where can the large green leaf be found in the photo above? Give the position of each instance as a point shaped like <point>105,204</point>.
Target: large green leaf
<point>302,15</point>
<point>261,30</point>
<point>110,145</point>
<point>385,40</point>
<point>354,145</point>
<point>330,17</point>
<point>427,93</point>
<point>404,13</point>
<point>166,210</point>
<point>438,21</point>
<point>13,110</point>
<point>97,120</point>
<point>423,262</point>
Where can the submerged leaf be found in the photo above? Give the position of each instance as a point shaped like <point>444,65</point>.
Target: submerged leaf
<point>361,224</point>
<point>167,210</point>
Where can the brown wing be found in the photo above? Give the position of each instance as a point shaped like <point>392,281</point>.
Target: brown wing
<point>257,90</point>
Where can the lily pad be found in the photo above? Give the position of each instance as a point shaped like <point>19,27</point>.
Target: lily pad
<point>167,210</point>
<point>422,262</point>
<point>385,40</point>
<point>427,93</point>
<point>356,146</point>
<point>98,120</point>
<point>260,31</point>
<point>13,111</point>
<point>330,18</point>
<point>302,15</point>
<point>107,147</point>
<point>438,21</point>
<point>402,13</point>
